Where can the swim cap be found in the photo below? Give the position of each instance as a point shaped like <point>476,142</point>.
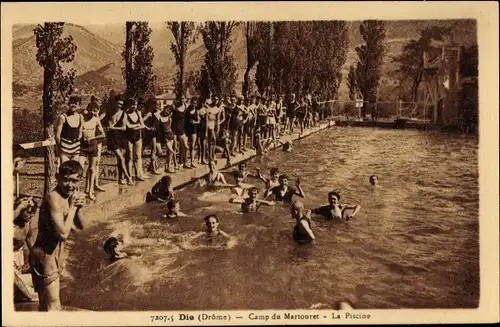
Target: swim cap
<point>297,205</point>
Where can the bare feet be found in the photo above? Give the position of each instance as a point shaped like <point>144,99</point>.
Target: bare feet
<point>98,188</point>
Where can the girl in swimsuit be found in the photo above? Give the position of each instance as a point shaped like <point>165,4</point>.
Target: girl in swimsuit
<point>273,180</point>
<point>154,125</point>
<point>302,232</point>
<point>92,132</point>
<point>178,126</point>
<point>334,210</point>
<point>69,132</point>
<point>117,142</point>
<point>192,123</point>
<point>167,136</point>
<point>135,125</point>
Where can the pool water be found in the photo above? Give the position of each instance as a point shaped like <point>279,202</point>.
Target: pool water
<point>414,244</point>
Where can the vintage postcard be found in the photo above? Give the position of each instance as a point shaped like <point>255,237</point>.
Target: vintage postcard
<point>249,163</point>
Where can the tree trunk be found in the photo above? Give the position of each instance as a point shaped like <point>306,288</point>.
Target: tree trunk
<point>48,127</point>
<point>181,61</point>
<point>128,56</point>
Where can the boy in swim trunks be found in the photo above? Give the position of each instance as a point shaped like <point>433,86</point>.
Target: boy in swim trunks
<point>59,213</point>
<point>283,192</point>
<point>334,210</point>
<point>302,232</point>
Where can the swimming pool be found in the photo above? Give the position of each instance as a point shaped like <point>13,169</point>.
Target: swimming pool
<point>414,244</point>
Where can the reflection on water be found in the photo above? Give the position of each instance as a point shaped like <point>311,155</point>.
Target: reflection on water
<point>414,243</point>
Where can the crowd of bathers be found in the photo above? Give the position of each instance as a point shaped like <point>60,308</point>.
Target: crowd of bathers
<point>189,132</point>
<point>199,128</point>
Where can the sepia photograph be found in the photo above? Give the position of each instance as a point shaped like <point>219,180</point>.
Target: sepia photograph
<point>329,166</point>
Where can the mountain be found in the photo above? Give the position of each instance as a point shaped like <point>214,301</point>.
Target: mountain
<point>98,59</point>
<point>93,52</point>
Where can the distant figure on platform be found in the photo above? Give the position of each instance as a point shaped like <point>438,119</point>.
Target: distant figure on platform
<point>134,127</point>
<point>174,210</point>
<point>302,232</point>
<point>162,191</point>
<point>284,192</point>
<point>334,210</point>
<point>69,130</point>
<point>59,214</point>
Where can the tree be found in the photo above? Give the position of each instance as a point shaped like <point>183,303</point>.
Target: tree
<point>411,62</point>
<point>252,43</point>
<point>218,73</point>
<point>370,58</point>
<point>184,35</point>
<point>138,56</point>
<point>52,50</point>
<point>352,84</point>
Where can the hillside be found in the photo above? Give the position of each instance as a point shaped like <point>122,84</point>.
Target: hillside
<point>98,61</point>
<point>93,52</point>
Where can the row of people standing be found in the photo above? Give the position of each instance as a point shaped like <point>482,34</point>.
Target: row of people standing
<point>191,133</point>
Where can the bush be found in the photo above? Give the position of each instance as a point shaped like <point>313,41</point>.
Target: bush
<point>27,126</point>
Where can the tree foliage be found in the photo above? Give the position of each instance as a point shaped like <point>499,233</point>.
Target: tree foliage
<point>411,62</point>
<point>138,56</point>
<point>370,58</point>
<point>184,35</point>
<point>52,50</point>
<point>218,72</point>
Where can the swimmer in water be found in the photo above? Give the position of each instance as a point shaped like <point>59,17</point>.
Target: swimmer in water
<point>334,210</point>
<point>116,249</point>
<point>283,192</point>
<point>163,191</point>
<point>239,188</point>
<point>287,146</point>
<point>273,180</point>
<point>251,203</point>
<point>212,223</point>
<point>302,232</point>
<point>174,210</point>
<point>374,181</point>
<point>242,168</point>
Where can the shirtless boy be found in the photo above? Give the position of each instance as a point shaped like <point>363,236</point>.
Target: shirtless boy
<point>252,203</point>
<point>212,223</point>
<point>92,133</point>
<point>273,180</point>
<point>284,192</point>
<point>59,213</point>
<point>334,210</point>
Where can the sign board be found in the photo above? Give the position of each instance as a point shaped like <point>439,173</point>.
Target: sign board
<point>359,103</point>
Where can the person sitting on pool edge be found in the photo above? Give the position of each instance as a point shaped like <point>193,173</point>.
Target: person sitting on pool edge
<point>174,210</point>
<point>212,223</point>
<point>214,177</point>
<point>334,210</point>
<point>273,180</point>
<point>302,232</point>
<point>251,203</point>
<point>116,249</point>
<point>162,191</point>
<point>283,192</point>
